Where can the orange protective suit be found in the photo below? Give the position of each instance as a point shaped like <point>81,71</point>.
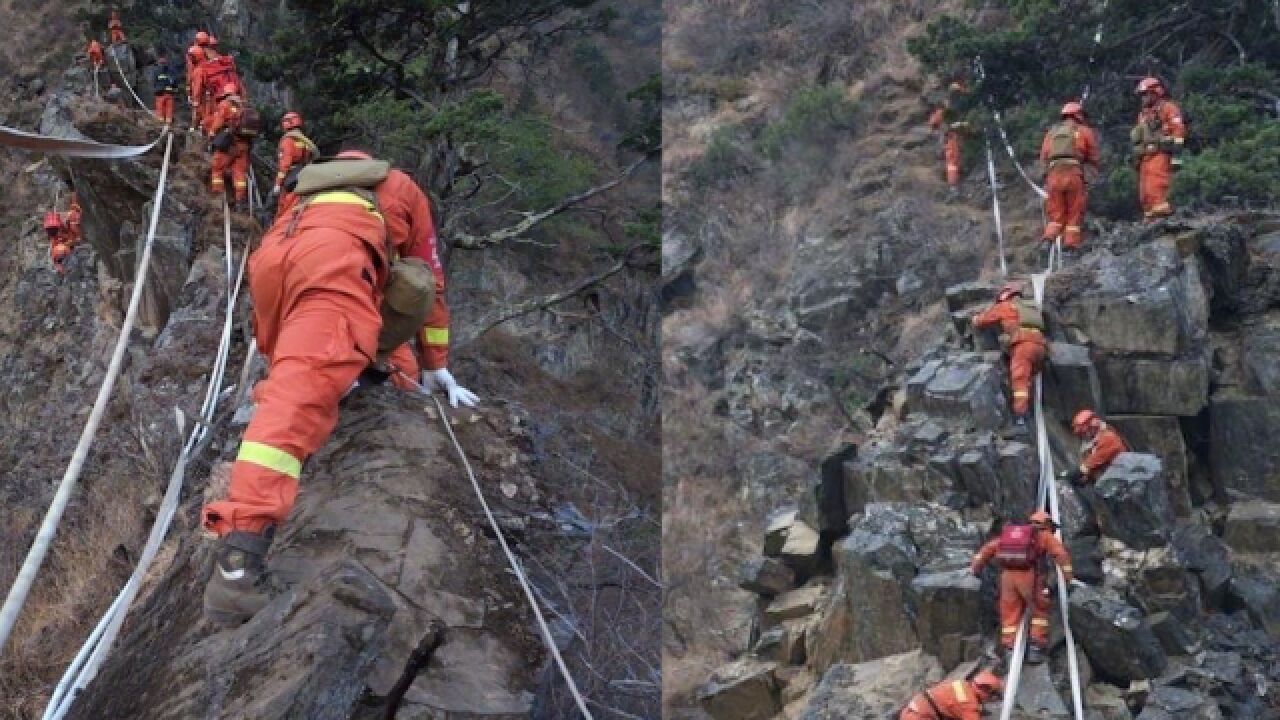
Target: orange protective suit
<point>117,28</point>
<point>97,58</point>
<point>1155,169</point>
<point>1020,589</point>
<point>316,293</point>
<point>1026,350</point>
<point>235,159</point>
<point>1100,451</point>
<point>1065,184</point>
<point>957,699</point>
<point>195,56</point>
<point>293,150</point>
<point>210,75</point>
<point>72,220</point>
<point>950,144</point>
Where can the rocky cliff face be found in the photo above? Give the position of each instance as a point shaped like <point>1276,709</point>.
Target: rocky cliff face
<point>388,545</point>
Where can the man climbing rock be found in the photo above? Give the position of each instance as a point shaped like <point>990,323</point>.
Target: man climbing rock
<point>97,58</point>
<point>1022,335</point>
<point>231,148</point>
<point>318,282</point>
<point>213,74</point>
<point>943,120</point>
<point>955,699</point>
<point>116,27</point>
<point>166,90</point>
<point>1158,140</point>
<point>194,58</point>
<point>1102,443</point>
<point>295,150</point>
<point>1019,551</point>
<point>1069,154</point>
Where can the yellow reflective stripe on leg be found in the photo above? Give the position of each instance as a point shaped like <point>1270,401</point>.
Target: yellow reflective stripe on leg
<point>1022,393</point>
<point>1009,630</point>
<point>1040,622</point>
<point>957,687</point>
<point>435,336</point>
<point>270,458</point>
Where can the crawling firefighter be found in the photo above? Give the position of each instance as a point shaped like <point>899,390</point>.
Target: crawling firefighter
<point>1019,551</point>
<point>344,283</point>
<point>955,699</point>
<point>234,127</point>
<point>1069,154</point>
<point>1102,444</point>
<point>1021,324</point>
<point>1158,139</point>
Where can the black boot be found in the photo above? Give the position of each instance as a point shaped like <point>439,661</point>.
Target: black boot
<point>1035,655</point>
<point>1020,427</point>
<point>232,595</point>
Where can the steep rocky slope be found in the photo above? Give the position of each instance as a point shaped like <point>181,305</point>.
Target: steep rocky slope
<point>388,539</point>
<point>808,315</point>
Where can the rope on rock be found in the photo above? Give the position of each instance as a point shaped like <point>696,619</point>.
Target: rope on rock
<point>68,147</point>
<point>120,71</point>
<point>44,538</point>
<point>87,662</point>
<point>995,204</point>
<point>512,560</point>
<point>1008,146</point>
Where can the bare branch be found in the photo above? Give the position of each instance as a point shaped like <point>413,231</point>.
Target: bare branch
<point>532,220</point>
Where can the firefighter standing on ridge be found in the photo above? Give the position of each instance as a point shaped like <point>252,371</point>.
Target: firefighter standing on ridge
<point>943,120</point>
<point>295,150</point>
<point>166,89</point>
<point>1022,335</point>
<point>116,27</point>
<point>97,58</point>
<point>1102,443</point>
<point>233,154</point>
<point>1019,551</point>
<point>317,284</point>
<point>955,699</point>
<point>1158,140</point>
<point>1069,154</point>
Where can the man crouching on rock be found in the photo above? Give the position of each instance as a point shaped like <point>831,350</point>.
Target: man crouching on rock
<point>327,283</point>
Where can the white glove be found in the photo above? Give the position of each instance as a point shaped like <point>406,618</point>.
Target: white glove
<point>433,380</point>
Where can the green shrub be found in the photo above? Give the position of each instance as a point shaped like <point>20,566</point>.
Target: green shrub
<point>813,116</point>
<point>723,158</point>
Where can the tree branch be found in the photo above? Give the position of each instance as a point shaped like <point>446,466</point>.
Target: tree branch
<point>531,220</point>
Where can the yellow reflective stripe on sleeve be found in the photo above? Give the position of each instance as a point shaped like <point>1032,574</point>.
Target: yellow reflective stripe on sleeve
<point>957,687</point>
<point>435,336</point>
<point>270,458</point>
<point>1039,622</point>
<point>1009,630</point>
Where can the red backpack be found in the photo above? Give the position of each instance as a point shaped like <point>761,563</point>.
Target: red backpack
<point>220,71</point>
<point>1016,549</point>
<point>52,221</point>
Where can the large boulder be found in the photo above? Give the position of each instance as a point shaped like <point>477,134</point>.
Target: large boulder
<point>882,473</point>
<point>744,690</point>
<point>1260,357</point>
<point>1037,695</point>
<point>1259,594</point>
<point>765,576</point>
<point>1133,502</point>
<point>1253,527</point>
<point>1070,381</point>
<point>1154,386</point>
<point>1160,435</point>
<point>949,607</point>
<point>1200,551</point>
<point>964,388</point>
<point>1173,703</point>
<point>1243,453</point>
<point>871,689</point>
<point>1116,637</point>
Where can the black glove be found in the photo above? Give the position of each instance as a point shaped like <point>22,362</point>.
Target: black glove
<point>1074,476</point>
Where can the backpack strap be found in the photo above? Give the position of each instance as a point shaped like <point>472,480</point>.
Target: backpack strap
<point>932,704</point>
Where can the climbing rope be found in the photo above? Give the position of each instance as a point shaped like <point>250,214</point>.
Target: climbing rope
<point>87,662</point>
<point>999,122</point>
<point>125,80</point>
<point>35,557</point>
<point>995,203</point>
<point>512,560</point>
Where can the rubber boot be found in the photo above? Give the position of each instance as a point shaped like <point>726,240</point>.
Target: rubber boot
<point>1035,654</point>
<point>232,595</point>
<point>1019,428</point>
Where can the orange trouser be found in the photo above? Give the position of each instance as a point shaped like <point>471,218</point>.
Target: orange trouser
<point>1025,359</point>
<point>1018,590</point>
<point>164,108</point>
<point>1065,204</point>
<point>951,156</point>
<point>208,111</point>
<point>1155,172</point>
<point>315,317</point>
<point>235,160</point>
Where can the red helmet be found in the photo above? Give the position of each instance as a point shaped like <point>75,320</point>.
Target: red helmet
<point>354,155</point>
<point>1008,290</point>
<point>202,38</point>
<point>228,89</point>
<point>1040,517</point>
<point>1151,84</point>
<point>987,684</point>
<point>1084,421</point>
<point>1073,109</point>
<point>291,120</point>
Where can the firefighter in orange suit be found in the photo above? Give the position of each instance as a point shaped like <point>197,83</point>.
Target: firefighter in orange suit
<point>97,58</point>
<point>296,149</point>
<point>1102,444</point>
<point>1068,149</point>
<point>116,27</point>
<point>1022,333</point>
<point>1158,140</point>
<point>955,699</point>
<point>195,56</point>
<point>1022,578</point>
<point>235,159</point>
<point>943,120</point>
<point>316,286</point>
